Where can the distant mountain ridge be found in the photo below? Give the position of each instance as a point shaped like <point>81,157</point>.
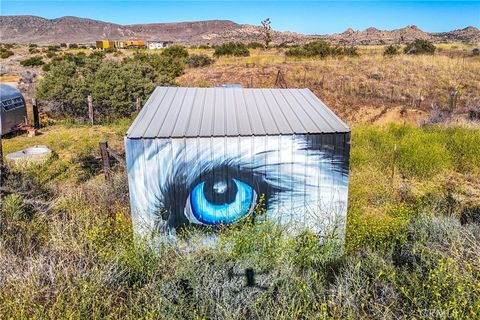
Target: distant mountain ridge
<point>33,29</point>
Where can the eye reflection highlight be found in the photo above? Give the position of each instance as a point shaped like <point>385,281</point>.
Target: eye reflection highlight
<point>220,201</point>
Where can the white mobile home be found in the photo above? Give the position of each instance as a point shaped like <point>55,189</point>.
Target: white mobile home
<point>159,44</point>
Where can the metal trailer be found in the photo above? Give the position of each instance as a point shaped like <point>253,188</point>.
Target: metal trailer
<point>13,111</point>
<point>206,157</point>
<point>104,44</point>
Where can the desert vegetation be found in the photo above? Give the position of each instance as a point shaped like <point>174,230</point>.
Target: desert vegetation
<point>367,88</point>
<point>363,84</point>
<point>321,49</point>
<point>114,85</point>
<point>66,245</point>
<point>232,49</point>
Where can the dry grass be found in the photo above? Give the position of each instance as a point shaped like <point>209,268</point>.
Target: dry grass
<point>370,88</point>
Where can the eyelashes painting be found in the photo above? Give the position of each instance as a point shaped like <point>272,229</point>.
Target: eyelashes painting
<point>208,182</point>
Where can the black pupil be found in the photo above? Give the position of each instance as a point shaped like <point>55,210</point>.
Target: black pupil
<point>220,190</point>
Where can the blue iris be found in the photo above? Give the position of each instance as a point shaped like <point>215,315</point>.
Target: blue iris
<point>221,201</point>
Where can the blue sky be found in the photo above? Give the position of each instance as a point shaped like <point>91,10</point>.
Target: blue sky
<point>315,17</point>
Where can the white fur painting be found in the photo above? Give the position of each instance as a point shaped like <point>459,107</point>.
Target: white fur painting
<point>300,180</point>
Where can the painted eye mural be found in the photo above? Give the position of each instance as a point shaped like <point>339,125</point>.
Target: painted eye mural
<point>208,157</point>
<point>209,182</point>
<point>221,200</point>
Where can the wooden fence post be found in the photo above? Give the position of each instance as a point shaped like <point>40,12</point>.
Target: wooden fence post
<point>394,160</point>
<point>90,109</point>
<point>280,80</point>
<point>36,118</point>
<point>105,160</point>
<point>1,161</point>
<point>138,104</point>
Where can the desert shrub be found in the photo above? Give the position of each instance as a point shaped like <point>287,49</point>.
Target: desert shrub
<point>51,54</point>
<point>4,53</point>
<point>33,50</point>
<point>232,49</point>
<point>476,52</point>
<point>63,45</point>
<point>53,48</point>
<point>175,52</point>
<point>73,46</point>
<point>21,228</point>
<point>34,61</point>
<point>391,50</point>
<point>110,50</point>
<point>199,60</point>
<point>321,49</point>
<point>474,113</point>
<point>7,46</point>
<point>255,45</point>
<point>114,85</point>
<point>204,46</point>
<point>420,47</point>
<point>32,45</point>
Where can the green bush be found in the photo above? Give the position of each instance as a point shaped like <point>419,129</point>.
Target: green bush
<point>420,47</point>
<point>63,45</point>
<point>4,53</point>
<point>73,46</point>
<point>321,49</point>
<point>255,45</point>
<point>7,46</point>
<point>232,49</point>
<point>199,60</point>
<point>33,50</point>
<point>51,54</point>
<point>110,50</point>
<point>114,85</point>
<point>175,52</point>
<point>54,48</point>
<point>391,50</point>
<point>34,61</point>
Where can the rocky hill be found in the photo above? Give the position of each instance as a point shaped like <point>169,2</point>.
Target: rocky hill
<point>32,29</point>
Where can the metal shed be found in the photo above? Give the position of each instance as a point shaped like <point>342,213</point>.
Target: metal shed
<point>206,157</point>
<point>13,111</point>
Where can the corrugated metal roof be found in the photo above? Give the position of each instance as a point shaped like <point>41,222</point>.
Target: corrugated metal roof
<point>175,112</point>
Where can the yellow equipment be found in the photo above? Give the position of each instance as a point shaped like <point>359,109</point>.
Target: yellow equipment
<point>121,44</point>
<point>105,44</point>
<point>134,44</point>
